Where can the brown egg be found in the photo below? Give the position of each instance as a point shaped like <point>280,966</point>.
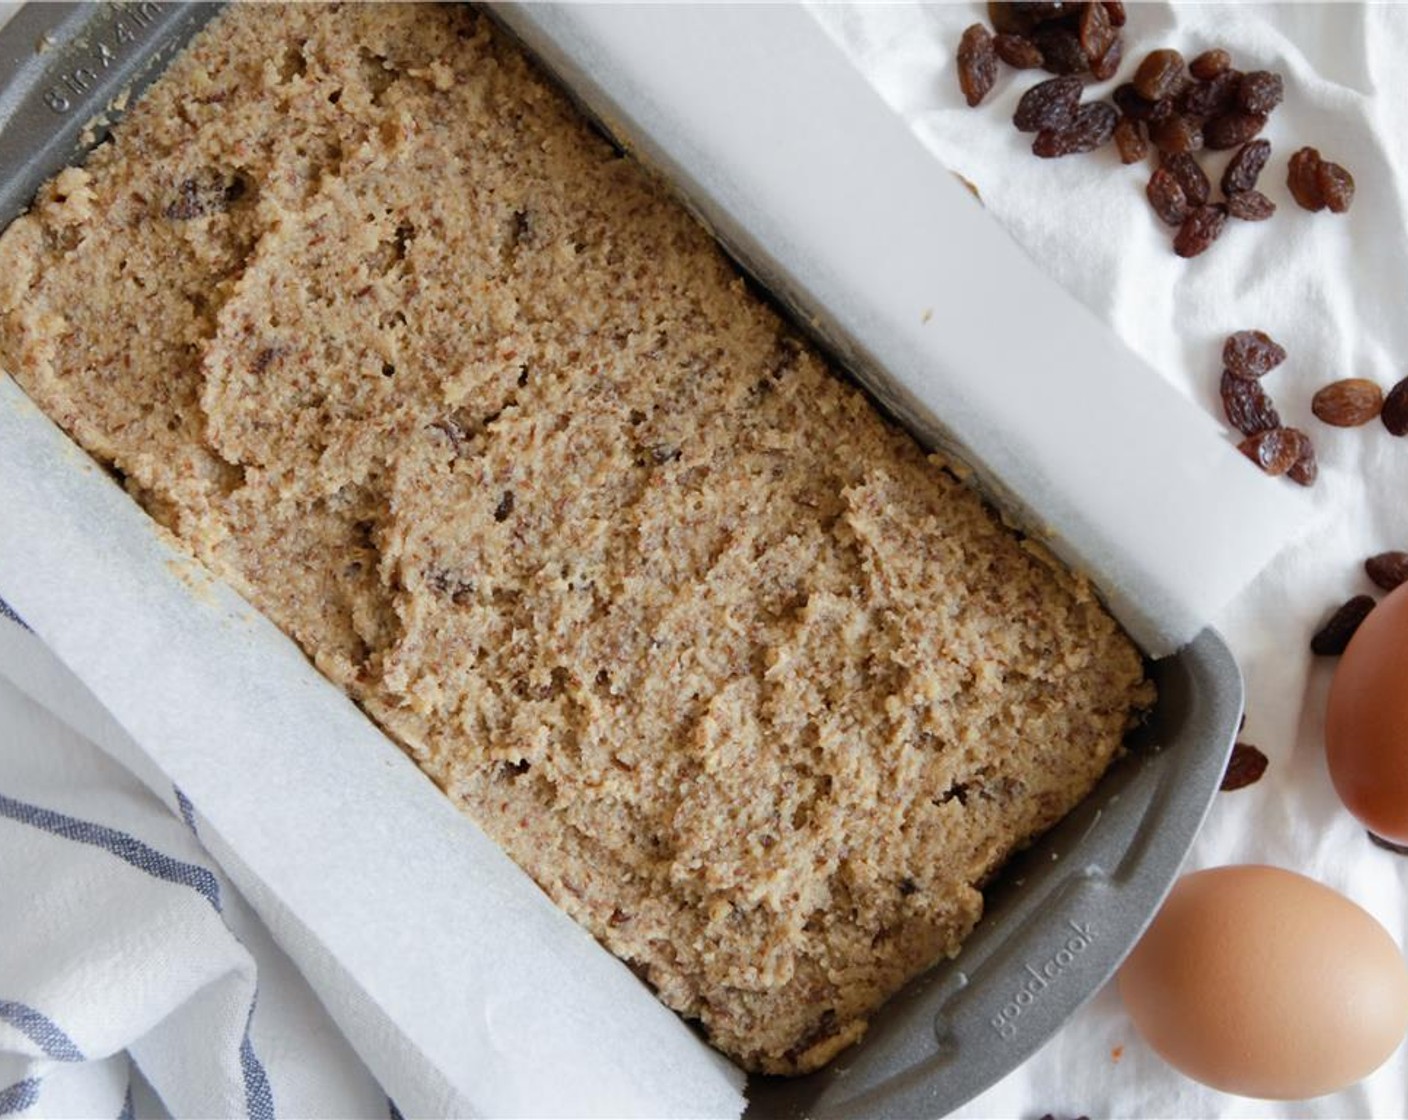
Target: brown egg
<point>1366,721</point>
<point>1262,982</point>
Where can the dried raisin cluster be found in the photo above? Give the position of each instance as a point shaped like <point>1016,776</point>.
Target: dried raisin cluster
<point>1179,109</point>
<point>1066,39</point>
<point>1169,107</point>
<point>1316,183</point>
<point>1247,357</point>
<point>1063,125</point>
<point>1060,38</point>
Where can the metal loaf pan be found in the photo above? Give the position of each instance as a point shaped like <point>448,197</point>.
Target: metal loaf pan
<point>1062,915</point>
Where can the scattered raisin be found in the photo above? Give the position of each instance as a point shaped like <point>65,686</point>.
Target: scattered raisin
<point>1160,75</point>
<point>1210,64</point>
<point>1040,11</point>
<point>1097,33</point>
<point>1196,188</point>
<point>212,194</point>
<point>1176,133</point>
<point>1131,140</point>
<point>1303,179</point>
<point>1336,186</point>
<point>1250,206</point>
<point>1131,104</point>
<point>1061,51</point>
<point>264,358</point>
<point>1305,468</point>
<point>1017,51</point>
<point>505,507</point>
<point>1332,638</point>
<point>1090,128</point>
<point>1395,410</point>
<point>1229,130</point>
<point>1115,9</point>
<point>1105,67</point>
<point>1048,104</point>
<point>1167,197</point>
<point>1244,170</point>
<point>1251,354</point>
<point>1247,405</point>
<point>1387,845</point>
<point>1387,569</point>
<point>1207,99</point>
<point>1009,19</point>
<point>188,203</point>
<point>977,63</point>
<point>1244,767</point>
<point>1348,403</point>
<point>1199,230</point>
<point>1273,451</point>
<point>1260,91</point>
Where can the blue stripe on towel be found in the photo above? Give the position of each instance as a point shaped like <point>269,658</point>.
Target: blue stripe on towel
<point>126,848</point>
<point>40,1030</point>
<point>188,811</point>
<point>19,1096</point>
<point>7,611</point>
<point>258,1097</point>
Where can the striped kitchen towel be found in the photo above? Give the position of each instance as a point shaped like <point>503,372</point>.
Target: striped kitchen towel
<point>127,960</point>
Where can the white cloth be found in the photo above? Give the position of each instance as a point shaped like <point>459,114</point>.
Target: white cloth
<point>125,946</point>
<point>1334,291</point>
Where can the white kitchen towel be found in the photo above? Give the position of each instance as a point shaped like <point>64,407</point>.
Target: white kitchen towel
<point>1333,289</point>
<point>123,945</point>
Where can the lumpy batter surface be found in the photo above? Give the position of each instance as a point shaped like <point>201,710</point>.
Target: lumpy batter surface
<point>362,311</point>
